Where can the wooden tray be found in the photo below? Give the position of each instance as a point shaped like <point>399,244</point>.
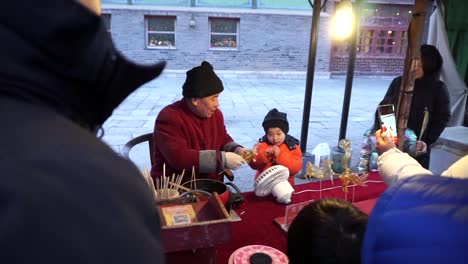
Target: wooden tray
<point>211,225</point>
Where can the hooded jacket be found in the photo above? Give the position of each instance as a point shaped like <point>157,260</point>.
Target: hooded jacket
<point>429,92</point>
<point>66,197</point>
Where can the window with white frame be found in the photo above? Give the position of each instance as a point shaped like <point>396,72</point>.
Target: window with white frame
<point>160,32</point>
<point>224,33</point>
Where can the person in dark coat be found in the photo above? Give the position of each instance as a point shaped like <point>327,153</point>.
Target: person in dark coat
<point>65,196</point>
<point>429,93</point>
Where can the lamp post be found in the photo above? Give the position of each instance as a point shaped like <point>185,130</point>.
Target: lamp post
<point>345,26</point>
<point>349,16</point>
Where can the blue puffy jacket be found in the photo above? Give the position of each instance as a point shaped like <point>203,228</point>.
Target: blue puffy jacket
<point>421,219</point>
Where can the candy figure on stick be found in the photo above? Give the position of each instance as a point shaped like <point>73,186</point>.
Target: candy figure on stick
<point>320,173</point>
<point>249,155</point>
<point>348,175</point>
<point>314,171</point>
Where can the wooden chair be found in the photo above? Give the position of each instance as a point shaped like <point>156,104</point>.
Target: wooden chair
<point>135,141</point>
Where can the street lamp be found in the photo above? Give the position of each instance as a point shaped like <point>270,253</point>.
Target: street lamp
<point>343,20</point>
<point>355,16</point>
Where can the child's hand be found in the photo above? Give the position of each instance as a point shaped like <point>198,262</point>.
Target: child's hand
<point>272,153</point>
<point>275,151</point>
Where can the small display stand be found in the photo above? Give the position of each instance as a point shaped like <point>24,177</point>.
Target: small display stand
<point>290,213</point>
<point>192,230</point>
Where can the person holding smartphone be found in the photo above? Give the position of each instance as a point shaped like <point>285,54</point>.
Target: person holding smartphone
<point>385,119</point>
<point>420,218</point>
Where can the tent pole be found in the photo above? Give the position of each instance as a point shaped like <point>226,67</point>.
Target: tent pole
<point>415,34</point>
<point>310,74</point>
<point>350,71</point>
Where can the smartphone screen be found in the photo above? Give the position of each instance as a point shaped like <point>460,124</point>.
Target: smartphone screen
<point>388,121</point>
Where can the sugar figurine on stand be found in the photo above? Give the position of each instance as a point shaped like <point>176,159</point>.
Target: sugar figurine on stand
<point>348,176</point>
<point>320,173</point>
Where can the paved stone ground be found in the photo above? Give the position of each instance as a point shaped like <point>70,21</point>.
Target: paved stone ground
<point>245,101</point>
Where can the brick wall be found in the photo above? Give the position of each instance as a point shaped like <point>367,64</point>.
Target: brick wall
<point>369,66</point>
<point>268,40</point>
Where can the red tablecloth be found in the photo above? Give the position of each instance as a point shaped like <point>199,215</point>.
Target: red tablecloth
<point>258,213</point>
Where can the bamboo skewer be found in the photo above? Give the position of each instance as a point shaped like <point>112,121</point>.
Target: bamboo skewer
<point>193,177</point>
<point>167,186</point>
<point>178,186</point>
<point>149,181</point>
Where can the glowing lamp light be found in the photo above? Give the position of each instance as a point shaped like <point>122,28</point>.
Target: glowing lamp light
<point>343,20</point>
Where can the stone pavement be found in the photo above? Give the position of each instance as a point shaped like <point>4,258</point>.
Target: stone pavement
<point>245,101</point>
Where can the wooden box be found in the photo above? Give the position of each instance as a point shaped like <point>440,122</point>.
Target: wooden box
<point>210,225</point>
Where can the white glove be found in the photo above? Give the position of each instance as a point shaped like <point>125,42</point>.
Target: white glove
<point>232,160</point>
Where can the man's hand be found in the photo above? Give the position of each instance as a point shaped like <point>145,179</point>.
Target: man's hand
<point>240,151</point>
<point>383,143</point>
<point>233,161</point>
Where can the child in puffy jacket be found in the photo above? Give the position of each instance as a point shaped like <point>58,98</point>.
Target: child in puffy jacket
<point>276,147</point>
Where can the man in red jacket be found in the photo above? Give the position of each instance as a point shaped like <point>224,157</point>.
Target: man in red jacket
<point>190,133</point>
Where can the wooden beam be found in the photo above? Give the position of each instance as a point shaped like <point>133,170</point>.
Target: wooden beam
<point>412,60</point>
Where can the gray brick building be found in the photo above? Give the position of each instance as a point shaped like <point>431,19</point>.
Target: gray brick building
<point>252,39</point>
<point>268,40</point>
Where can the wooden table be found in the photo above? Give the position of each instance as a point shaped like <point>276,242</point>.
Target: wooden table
<point>257,226</point>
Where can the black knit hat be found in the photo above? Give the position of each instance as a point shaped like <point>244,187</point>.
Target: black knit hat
<point>274,118</point>
<point>431,59</point>
<point>201,82</point>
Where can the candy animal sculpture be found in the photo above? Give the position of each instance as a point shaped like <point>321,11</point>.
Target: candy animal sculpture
<point>314,171</point>
<point>348,176</point>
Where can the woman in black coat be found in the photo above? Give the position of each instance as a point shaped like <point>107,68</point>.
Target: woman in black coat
<point>431,93</point>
